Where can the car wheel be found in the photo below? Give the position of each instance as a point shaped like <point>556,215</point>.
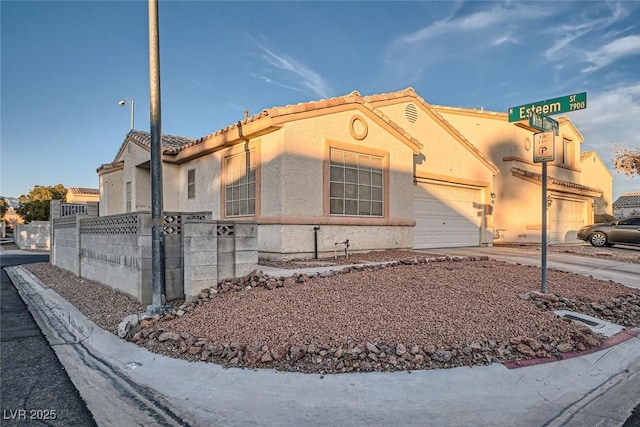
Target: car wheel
<point>598,239</point>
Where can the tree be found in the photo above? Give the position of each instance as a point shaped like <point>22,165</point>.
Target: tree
<point>35,206</point>
<point>626,160</point>
<point>4,206</point>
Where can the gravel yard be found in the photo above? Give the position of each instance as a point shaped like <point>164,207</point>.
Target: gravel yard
<point>417,314</point>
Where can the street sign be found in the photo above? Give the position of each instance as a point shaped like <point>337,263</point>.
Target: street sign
<point>544,147</point>
<point>563,104</point>
<point>544,123</point>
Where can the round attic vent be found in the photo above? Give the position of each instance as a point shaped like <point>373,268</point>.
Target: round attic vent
<point>411,113</point>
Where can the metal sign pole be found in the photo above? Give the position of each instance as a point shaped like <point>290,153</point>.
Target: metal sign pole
<point>543,288</point>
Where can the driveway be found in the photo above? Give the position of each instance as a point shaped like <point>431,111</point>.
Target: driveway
<point>627,274</point>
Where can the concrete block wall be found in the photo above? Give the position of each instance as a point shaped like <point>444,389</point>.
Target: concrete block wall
<point>198,253</point>
<point>200,257</point>
<point>34,235</point>
<point>246,248</point>
<point>113,260</point>
<point>65,250</point>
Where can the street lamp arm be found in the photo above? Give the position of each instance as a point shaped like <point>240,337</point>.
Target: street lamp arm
<point>132,101</point>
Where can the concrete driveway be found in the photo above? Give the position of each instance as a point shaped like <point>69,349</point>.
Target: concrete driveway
<point>627,274</point>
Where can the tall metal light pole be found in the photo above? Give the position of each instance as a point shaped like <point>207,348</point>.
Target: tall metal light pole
<point>157,233</point>
<point>132,101</point>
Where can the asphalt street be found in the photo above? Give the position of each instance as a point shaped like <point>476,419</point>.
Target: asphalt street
<point>35,387</point>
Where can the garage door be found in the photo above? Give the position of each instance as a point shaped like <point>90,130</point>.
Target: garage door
<point>446,216</point>
<point>565,219</point>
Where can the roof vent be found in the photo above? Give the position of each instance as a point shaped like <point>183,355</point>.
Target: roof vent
<point>411,113</point>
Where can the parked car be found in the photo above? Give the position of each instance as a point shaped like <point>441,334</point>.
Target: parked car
<point>625,231</point>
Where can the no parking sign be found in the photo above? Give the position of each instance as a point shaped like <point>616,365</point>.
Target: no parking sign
<point>544,147</point>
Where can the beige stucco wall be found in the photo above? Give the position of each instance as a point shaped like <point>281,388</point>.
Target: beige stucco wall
<point>596,174</point>
<point>517,211</point>
<point>207,197</point>
<point>81,198</point>
<point>112,193</point>
<point>293,190</point>
<point>443,157</point>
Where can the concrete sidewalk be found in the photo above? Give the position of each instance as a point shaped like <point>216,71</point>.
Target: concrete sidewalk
<point>595,389</point>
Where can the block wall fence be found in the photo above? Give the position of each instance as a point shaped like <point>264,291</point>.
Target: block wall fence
<point>115,250</point>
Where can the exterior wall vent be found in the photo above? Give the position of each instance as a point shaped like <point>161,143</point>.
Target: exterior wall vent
<point>411,113</point>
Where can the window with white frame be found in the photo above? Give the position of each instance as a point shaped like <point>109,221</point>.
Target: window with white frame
<point>127,190</point>
<point>240,184</point>
<point>191,184</point>
<point>356,184</point>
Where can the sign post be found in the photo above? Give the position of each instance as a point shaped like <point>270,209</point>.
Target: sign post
<point>544,152</point>
<point>544,145</point>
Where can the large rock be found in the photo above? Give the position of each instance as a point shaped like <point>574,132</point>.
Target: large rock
<point>525,350</point>
<point>168,335</point>
<point>280,352</point>
<point>128,323</point>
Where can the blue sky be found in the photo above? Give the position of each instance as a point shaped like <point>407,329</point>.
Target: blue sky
<point>65,66</point>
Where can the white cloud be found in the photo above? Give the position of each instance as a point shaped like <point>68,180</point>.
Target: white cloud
<point>504,40</point>
<point>303,75</point>
<point>467,36</point>
<point>611,52</point>
<point>271,81</point>
<point>606,121</point>
<point>583,24</point>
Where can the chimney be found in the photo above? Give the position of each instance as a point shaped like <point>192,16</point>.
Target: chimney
<point>246,113</point>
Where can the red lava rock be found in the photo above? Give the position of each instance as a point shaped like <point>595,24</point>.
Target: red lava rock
<point>280,351</point>
<point>525,350</point>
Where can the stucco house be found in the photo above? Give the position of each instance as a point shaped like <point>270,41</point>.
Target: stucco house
<point>595,173</point>
<point>82,195</point>
<point>572,192</point>
<point>627,205</point>
<point>382,171</point>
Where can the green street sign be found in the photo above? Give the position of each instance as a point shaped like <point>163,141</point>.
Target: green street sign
<point>563,104</point>
<point>544,123</point>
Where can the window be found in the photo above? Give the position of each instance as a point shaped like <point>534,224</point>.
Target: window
<point>128,197</point>
<point>191,184</point>
<point>356,184</point>
<point>567,152</point>
<point>240,184</point>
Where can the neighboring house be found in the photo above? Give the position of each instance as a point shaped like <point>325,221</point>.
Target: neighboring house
<point>382,171</point>
<point>82,195</point>
<point>518,187</point>
<point>12,218</point>
<point>627,205</point>
<point>595,173</point>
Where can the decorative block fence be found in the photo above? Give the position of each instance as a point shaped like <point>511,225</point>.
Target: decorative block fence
<point>34,235</point>
<point>115,250</point>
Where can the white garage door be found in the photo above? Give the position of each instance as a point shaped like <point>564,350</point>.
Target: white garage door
<point>565,219</point>
<point>446,216</point>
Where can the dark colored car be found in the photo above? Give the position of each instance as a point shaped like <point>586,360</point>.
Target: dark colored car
<point>626,231</point>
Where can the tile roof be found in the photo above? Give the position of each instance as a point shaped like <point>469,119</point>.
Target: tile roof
<point>551,180</point>
<point>84,190</point>
<point>586,154</point>
<point>287,110</point>
<point>627,200</point>
<point>169,142</point>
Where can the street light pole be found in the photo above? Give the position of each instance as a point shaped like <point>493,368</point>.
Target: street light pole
<point>158,297</point>
<point>132,101</point>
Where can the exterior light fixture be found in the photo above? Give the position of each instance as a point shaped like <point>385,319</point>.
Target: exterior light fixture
<point>132,101</point>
